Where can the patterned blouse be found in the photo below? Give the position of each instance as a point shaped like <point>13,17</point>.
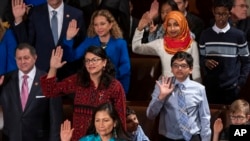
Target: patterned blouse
<point>86,99</point>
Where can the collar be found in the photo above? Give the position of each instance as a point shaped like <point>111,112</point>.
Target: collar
<point>31,74</point>
<point>58,9</point>
<point>185,82</point>
<point>219,30</point>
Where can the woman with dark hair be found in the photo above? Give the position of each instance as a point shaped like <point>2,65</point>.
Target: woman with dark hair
<point>105,126</point>
<point>177,38</point>
<point>93,85</point>
<point>156,29</point>
<point>104,32</point>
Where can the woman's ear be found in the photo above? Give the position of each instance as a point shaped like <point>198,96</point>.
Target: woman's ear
<point>248,117</point>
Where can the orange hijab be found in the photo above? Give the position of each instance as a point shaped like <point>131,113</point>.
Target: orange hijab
<point>183,40</point>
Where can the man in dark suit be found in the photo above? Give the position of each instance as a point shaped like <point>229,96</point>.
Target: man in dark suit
<point>37,29</point>
<point>36,119</point>
<point>133,23</point>
<point>195,23</point>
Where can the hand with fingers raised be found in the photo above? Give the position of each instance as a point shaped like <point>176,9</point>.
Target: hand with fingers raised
<point>166,86</point>
<point>56,61</point>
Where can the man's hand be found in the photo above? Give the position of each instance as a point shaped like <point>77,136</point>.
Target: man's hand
<point>211,64</point>
<point>166,87</point>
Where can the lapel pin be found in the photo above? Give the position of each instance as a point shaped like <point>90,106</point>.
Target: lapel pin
<point>67,15</point>
<point>36,83</point>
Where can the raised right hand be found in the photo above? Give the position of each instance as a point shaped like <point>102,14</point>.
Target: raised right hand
<point>144,21</point>
<point>72,29</point>
<point>18,9</point>
<point>66,131</point>
<point>56,58</point>
<point>166,87</point>
<point>218,126</point>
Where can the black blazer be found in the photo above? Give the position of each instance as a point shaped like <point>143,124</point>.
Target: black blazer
<point>195,24</point>
<point>41,118</point>
<point>37,31</point>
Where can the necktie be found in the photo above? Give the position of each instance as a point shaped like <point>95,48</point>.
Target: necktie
<point>24,91</point>
<point>183,117</point>
<point>54,26</point>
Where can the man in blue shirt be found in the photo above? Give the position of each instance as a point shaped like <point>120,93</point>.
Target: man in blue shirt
<point>166,102</point>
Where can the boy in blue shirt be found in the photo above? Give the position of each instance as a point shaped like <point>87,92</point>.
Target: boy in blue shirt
<point>133,127</point>
<point>181,103</point>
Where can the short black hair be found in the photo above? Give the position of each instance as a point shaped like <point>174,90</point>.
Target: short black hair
<point>27,46</point>
<point>181,55</point>
<point>129,111</point>
<point>223,3</point>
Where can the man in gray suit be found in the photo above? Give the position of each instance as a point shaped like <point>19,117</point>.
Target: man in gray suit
<point>34,118</point>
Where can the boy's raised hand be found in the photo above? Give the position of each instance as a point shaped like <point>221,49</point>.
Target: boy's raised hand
<point>166,86</point>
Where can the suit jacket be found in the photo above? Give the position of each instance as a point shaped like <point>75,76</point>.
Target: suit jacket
<point>39,33</point>
<point>41,118</point>
<point>195,24</point>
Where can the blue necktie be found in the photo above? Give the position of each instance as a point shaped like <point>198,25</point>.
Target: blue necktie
<point>183,117</point>
<point>54,26</point>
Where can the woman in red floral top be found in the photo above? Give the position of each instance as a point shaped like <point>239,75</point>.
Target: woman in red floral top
<point>93,85</point>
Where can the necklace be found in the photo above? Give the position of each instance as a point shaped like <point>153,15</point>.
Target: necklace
<point>103,45</point>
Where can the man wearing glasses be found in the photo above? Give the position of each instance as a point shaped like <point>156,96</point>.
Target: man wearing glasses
<point>239,17</point>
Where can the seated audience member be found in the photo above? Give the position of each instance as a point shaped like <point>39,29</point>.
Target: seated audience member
<point>156,30</point>
<point>177,38</point>
<point>103,32</point>
<point>105,126</point>
<point>239,115</point>
<point>181,103</point>
<point>8,46</point>
<point>133,127</point>
<point>224,57</point>
<point>93,85</point>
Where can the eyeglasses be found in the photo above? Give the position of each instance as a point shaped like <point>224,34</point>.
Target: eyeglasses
<point>243,6</point>
<point>240,118</point>
<point>182,66</point>
<point>94,60</point>
<point>223,15</point>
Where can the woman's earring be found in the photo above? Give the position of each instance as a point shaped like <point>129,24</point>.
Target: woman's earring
<point>114,132</point>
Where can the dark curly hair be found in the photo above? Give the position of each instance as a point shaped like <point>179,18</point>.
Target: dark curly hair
<point>108,73</point>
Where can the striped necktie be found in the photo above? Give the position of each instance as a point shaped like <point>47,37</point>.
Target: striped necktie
<point>54,26</point>
<point>183,116</point>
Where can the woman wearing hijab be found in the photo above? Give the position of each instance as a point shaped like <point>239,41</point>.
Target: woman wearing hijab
<point>177,38</point>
